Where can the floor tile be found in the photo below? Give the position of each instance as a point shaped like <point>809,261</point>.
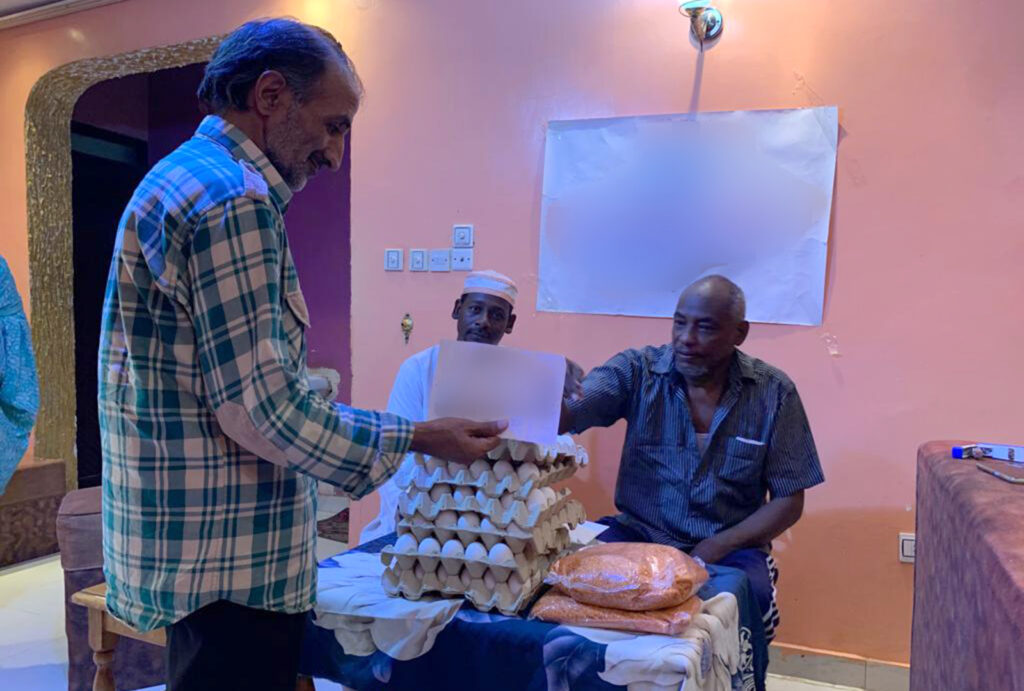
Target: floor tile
<point>781,683</point>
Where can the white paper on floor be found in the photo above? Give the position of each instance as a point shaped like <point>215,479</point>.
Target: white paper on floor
<point>636,208</point>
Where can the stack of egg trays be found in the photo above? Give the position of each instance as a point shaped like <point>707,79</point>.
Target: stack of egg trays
<point>486,584</point>
<point>536,535</point>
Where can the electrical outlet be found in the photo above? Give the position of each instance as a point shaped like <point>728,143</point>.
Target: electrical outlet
<point>393,260</point>
<point>908,547</point>
<point>417,260</point>
<point>462,235</point>
<point>440,260</point>
<point>462,259</point>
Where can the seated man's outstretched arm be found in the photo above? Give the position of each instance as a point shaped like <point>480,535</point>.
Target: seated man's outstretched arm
<point>603,397</point>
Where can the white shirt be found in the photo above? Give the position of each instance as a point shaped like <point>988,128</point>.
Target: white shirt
<point>410,397</point>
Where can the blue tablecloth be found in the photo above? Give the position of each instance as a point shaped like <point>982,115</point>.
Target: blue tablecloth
<point>497,653</point>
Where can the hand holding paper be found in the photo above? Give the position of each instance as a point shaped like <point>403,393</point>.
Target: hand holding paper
<point>462,441</point>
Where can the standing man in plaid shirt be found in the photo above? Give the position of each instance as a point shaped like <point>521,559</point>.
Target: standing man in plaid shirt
<point>213,441</point>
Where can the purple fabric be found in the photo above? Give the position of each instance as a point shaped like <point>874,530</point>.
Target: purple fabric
<point>968,577</point>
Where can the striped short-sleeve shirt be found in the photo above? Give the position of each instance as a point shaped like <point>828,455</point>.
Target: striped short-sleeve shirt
<point>759,444</point>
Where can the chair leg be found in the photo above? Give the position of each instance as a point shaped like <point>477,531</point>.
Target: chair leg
<point>104,679</point>
<point>102,644</point>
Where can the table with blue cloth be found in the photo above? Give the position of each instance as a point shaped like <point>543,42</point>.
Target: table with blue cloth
<point>477,650</point>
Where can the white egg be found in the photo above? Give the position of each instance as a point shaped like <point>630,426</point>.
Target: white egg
<point>489,581</point>
<point>463,493</point>
<point>507,500</point>
<point>479,467</point>
<point>503,469</point>
<point>433,464</point>
<point>406,544</point>
<point>487,526</point>
<point>536,499</point>
<point>419,572</point>
<point>476,552</point>
<point>528,471</point>
<point>465,578</point>
<point>515,584</point>
<point>437,492</point>
<point>452,548</point>
<point>501,554</point>
<point>430,546</point>
<point>469,521</point>
<point>446,519</point>
<point>550,495</point>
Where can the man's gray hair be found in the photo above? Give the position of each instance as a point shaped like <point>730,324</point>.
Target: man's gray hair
<point>298,51</point>
<point>737,300</point>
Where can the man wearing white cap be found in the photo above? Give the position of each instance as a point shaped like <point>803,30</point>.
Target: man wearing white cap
<point>483,314</point>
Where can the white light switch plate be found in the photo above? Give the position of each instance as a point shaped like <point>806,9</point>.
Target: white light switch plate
<point>393,260</point>
<point>462,235</point>
<point>908,547</point>
<point>462,259</point>
<point>440,260</point>
<point>417,260</point>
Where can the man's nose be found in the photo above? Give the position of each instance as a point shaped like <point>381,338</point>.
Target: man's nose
<point>334,153</point>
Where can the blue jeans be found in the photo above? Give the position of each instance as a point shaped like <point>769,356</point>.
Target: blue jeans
<point>757,564</point>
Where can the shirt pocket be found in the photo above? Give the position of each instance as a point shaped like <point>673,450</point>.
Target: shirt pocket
<point>296,321</point>
<point>744,463</point>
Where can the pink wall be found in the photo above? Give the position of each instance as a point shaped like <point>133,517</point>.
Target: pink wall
<point>926,240</point>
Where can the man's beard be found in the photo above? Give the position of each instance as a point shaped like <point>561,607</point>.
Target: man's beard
<point>283,143</point>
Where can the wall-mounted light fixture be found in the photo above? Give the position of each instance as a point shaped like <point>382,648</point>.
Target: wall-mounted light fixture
<point>705,20</point>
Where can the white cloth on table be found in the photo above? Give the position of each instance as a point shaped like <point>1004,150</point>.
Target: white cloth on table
<point>704,658</point>
<point>352,603</point>
<point>410,397</point>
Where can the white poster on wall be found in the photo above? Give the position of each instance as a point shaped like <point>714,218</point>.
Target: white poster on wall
<point>634,209</point>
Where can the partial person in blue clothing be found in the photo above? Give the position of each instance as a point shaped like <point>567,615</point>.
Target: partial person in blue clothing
<point>718,449</point>
<point>19,388</point>
<point>483,313</point>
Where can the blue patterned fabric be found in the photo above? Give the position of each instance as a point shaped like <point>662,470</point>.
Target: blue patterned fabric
<point>490,651</point>
<point>19,389</point>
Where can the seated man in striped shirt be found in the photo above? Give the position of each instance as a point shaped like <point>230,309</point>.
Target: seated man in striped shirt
<point>718,450</point>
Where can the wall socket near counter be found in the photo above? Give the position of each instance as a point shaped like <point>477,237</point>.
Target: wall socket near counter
<point>908,547</point>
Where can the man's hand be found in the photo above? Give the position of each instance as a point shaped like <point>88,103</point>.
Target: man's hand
<point>573,390</point>
<point>452,439</point>
<point>710,550</point>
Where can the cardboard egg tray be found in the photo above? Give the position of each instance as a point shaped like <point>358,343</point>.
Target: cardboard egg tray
<point>541,454</point>
<point>423,479</point>
<point>418,505</point>
<point>544,536</point>
<point>454,582</point>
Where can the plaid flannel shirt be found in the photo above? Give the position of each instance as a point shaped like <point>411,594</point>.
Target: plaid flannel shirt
<point>212,439</point>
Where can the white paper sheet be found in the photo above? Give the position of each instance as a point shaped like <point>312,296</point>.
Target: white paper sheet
<point>635,209</point>
<point>484,382</point>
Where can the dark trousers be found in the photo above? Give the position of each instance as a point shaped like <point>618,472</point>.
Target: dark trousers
<point>757,564</point>
<point>228,646</point>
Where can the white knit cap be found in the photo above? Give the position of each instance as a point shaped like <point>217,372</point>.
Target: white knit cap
<point>491,283</point>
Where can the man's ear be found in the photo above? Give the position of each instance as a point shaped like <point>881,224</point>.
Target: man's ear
<point>270,93</point>
<point>742,329</point>
<point>511,323</point>
<point>457,309</point>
